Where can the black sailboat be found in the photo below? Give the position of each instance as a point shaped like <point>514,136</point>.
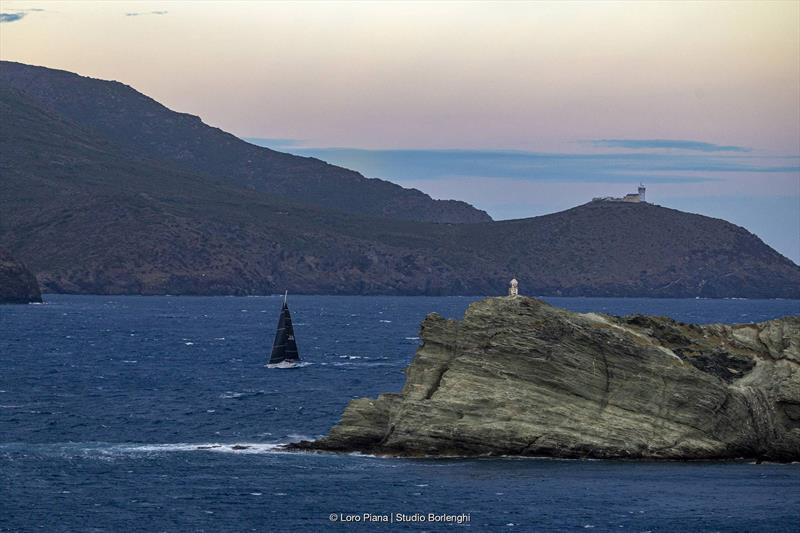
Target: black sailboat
<point>284,349</point>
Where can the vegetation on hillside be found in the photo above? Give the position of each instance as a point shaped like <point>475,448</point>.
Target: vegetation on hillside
<point>89,215</point>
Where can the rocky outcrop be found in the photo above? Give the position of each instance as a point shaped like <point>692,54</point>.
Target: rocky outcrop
<point>517,376</point>
<point>17,284</point>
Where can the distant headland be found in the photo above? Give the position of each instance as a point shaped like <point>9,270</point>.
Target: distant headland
<point>110,192</point>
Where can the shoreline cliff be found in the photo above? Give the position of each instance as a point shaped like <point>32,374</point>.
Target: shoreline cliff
<point>519,377</point>
<point>17,284</point>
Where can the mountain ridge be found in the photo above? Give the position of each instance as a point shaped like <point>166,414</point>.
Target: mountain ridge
<point>136,121</point>
<point>90,216</point>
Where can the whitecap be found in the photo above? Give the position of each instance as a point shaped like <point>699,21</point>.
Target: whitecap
<point>189,343</point>
<point>295,437</point>
<point>214,447</point>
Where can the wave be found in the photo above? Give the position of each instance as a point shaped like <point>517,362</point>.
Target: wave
<point>215,447</point>
<point>227,395</point>
<point>358,364</point>
<point>107,451</point>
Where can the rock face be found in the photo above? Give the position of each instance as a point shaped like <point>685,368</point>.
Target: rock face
<point>519,377</point>
<point>17,284</point>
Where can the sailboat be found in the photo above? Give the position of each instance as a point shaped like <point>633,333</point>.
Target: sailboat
<point>284,349</point>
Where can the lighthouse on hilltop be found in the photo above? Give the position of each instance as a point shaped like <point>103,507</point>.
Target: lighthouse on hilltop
<point>637,197</point>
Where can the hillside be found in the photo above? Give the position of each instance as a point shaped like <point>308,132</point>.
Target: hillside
<point>17,283</point>
<point>144,128</point>
<point>88,217</point>
<point>629,249</point>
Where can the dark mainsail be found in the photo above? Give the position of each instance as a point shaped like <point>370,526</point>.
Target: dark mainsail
<point>284,348</point>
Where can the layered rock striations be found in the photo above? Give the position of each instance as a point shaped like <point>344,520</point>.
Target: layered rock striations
<point>17,284</point>
<point>517,376</point>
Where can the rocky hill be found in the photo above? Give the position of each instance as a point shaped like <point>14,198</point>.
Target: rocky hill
<point>88,215</point>
<point>17,284</point>
<point>145,128</point>
<point>519,377</point>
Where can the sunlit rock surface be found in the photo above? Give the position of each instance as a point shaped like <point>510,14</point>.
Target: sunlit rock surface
<point>517,376</point>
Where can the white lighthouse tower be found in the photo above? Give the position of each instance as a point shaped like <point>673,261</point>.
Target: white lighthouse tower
<point>641,192</point>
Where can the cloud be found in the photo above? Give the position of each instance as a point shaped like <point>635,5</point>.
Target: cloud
<point>137,14</point>
<point>275,143</point>
<point>12,17</point>
<point>405,165</point>
<point>17,15</point>
<point>676,144</point>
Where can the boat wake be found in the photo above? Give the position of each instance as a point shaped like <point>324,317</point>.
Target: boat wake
<point>287,364</point>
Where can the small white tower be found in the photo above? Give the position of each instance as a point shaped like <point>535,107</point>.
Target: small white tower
<point>641,192</point>
<point>513,288</point>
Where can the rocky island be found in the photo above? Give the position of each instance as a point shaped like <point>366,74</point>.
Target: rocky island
<point>17,284</point>
<point>519,377</point>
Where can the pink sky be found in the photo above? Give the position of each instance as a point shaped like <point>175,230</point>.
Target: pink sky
<point>546,77</point>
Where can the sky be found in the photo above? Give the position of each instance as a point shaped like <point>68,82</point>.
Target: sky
<point>518,108</point>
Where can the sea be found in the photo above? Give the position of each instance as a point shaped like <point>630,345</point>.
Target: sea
<point>128,413</point>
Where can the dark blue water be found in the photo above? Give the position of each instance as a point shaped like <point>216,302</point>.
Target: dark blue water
<point>104,402</point>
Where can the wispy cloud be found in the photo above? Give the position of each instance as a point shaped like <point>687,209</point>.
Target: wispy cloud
<point>403,165</point>
<point>18,14</point>
<point>11,17</point>
<point>138,14</point>
<point>275,143</point>
<point>673,144</point>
